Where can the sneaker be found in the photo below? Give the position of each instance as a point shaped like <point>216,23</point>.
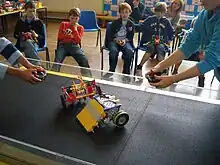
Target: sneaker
<point>107,76</point>
<point>201,82</point>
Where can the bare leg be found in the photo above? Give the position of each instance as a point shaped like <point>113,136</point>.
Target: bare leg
<point>143,60</point>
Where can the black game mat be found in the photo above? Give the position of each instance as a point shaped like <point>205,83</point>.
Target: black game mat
<point>162,130</point>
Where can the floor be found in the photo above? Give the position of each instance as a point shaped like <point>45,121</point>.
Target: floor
<point>93,54</point>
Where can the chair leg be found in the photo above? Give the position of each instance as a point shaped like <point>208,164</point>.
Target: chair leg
<point>97,39</point>
<point>100,39</point>
<point>212,79</point>
<point>136,60</point>
<point>102,59</point>
<point>47,58</point>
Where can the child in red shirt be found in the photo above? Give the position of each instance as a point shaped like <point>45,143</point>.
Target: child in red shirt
<point>69,40</point>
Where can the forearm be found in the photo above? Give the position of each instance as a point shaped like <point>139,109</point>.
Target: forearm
<point>77,36</point>
<point>171,60</point>
<point>189,73</point>
<point>13,71</point>
<point>23,61</point>
<point>5,69</point>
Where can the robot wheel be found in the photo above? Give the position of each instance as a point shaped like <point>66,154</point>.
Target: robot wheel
<point>62,98</point>
<point>121,118</point>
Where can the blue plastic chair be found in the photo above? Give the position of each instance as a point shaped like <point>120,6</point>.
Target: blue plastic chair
<point>45,48</point>
<point>105,46</point>
<point>89,22</point>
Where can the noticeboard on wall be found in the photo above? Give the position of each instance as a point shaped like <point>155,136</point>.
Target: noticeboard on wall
<point>191,7</point>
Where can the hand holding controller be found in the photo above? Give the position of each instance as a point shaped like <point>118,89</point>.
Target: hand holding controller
<point>151,77</point>
<point>41,75</point>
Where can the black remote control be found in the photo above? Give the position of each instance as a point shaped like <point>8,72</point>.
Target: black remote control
<point>151,77</point>
<point>41,75</point>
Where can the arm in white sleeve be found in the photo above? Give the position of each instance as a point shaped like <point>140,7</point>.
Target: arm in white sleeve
<point>9,51</point>
<point>3,70</point>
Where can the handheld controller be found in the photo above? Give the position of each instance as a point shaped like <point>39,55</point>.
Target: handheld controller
<point>41,75</point>
<point>151,77</point>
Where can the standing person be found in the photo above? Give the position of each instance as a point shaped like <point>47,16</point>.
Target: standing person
<point>14,56</point>
<point>197,56</point>
<point>205,35</point>
<point>29,32</point>
<point>137,8</point>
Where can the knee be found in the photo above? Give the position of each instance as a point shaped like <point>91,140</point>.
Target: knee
<point>113,52</point>
<point>28,43</point>
<point>128,54</point>
<point>84,62</point>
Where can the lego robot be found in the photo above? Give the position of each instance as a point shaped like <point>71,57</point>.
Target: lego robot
<point>79,91</point>
<point>99,107</point>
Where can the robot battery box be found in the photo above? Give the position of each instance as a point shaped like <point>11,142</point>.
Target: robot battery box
<point>91,114</point>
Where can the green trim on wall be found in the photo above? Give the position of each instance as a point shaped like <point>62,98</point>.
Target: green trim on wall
<point>103,6</point>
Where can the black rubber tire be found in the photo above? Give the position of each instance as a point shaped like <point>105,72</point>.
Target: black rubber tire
<point>63,101</point>
<point>98,89</point>
<point>118,117</point>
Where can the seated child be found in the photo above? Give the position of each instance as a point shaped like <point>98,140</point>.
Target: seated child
<point>69,41</point>
<point>29,32</point>
<point>121,39</point>
<point>156,26</point>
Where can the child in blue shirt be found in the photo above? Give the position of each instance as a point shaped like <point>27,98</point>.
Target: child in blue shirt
<point>120,38</point>
<point>205,35</point>
<point>153,26</point>
<point>14,56</point>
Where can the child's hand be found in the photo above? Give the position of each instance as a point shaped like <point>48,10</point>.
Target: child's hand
<point>68,31</point>
<point>117,42</point>
<point>76,25</point>
<point>28,75</point>
<point>123,42</point>
<point>37,68</point>
<point>34,34</point>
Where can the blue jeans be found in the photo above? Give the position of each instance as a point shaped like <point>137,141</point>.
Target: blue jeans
<point>127,56</point>
<point>160,50</point>
<point>30,51</point>
<point>69,49</point>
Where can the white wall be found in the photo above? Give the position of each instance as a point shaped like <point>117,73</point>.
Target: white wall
<point>66,5</point>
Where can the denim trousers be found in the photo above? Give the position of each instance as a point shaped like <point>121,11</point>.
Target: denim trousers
<point>69,49</point>
<point>30,48</point>
<point>127,55</point>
